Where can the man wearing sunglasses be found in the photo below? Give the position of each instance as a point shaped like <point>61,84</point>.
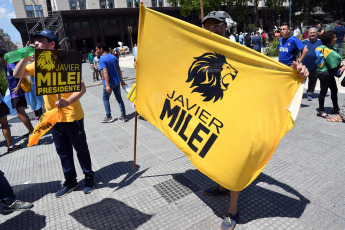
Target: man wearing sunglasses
<point>216,22</point>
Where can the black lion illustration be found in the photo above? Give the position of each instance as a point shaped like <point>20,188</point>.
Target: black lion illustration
<point>209,75</point>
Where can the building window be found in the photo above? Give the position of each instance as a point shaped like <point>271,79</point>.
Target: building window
<point>82,4</point>
<point>129,3</point>
<point>154,3</point>
<point>73,4</point>
<point>111,3</point>
<point>133,21</point>
<point>76,25</point>
<point>85,25</point>
<point>29,11</point>
<point>113,23</point>
<point>65,25</point>
<point>39,11</point>
<point>103,4</point>
<point>105,23</point>
<point>137,3</point>
<point>77,4</point>
<point>160,3</point>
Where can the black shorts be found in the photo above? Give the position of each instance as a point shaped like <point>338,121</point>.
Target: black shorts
<point>4,110</point>
<point>18,102</point>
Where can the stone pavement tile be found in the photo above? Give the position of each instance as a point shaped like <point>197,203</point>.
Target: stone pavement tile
<point>335,199</point>
<point>193,209</point>
<point>109,213</point>
<point>167,218</point>
<point>166,171</point>
<point>303,182</point>
<point>148,200</point>
<point>23,220</point>
<point>337,224</point>
<point>318,217</point>
<point>208,223</point>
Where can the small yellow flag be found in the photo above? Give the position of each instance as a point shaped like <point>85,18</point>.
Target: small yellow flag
<point>131,96</point>
<point>48,120</point>
<point>223,104</point>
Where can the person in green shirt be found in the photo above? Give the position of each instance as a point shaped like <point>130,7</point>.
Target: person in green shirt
<point>328,62</point>
<point>90,60</point>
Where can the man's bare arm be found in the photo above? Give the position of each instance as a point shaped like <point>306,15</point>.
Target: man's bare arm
<point>106,76</point>
<point>74,97</point>
<point>120,72</point>
<point>304,53</point>
<point>19,70</point>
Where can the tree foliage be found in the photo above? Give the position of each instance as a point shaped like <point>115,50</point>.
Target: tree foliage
<point>239,10</point>
<point>277,5</point>
<point>336,8</point>
<point>190,6</point>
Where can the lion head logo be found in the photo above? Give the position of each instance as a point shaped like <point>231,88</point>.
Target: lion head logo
<point>46,60</point>
<point>210,75</point>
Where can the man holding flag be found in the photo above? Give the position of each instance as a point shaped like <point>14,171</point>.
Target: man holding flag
<point>215,22</point>
<point>196,105</point>
<point>70,131</point>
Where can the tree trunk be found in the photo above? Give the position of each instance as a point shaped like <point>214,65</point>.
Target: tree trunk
<point>256,23</point>
<point>307,12</point>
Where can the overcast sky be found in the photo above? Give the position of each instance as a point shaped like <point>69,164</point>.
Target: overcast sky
<point>6,13</point>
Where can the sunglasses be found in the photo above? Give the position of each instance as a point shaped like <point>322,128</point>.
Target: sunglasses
<point>214,27</point>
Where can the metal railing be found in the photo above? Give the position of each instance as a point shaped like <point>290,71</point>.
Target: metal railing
<point>53,21</point>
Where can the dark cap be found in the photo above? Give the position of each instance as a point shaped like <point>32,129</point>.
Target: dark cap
<point>219,15</point>
<point>50,35</point>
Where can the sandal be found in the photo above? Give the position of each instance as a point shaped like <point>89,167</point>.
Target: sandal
<point>229,221</point>
<point>335,119</point>
<point>335,111</point>
<point>323,114</point>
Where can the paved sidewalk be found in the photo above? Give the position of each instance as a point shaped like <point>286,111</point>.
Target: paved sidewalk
<point>302,186</point>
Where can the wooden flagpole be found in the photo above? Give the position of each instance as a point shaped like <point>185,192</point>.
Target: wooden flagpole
<point>135,138</point>
<point>202,12</point>
<point>135,125</point>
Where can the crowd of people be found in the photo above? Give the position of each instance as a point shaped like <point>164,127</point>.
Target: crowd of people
<point>312,58</point>
<point>260,39</point>
<point>330,39</point>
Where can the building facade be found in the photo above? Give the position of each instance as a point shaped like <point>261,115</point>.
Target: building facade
<point>87,22</point>
<point>5,42</point>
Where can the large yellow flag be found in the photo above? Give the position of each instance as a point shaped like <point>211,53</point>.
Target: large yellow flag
<point>224,105</point>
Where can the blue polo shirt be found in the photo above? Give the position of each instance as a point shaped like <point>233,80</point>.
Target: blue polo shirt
<point>109,61</point>
<point>339,32</point>
<point>288,48</point>
<point>310,58</point>
<point>256,40</point>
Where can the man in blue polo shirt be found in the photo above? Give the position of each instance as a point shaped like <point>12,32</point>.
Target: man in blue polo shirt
<point>112,81</point>
<point>309,61</point>
<point>339,31</point>
<point>289,46</point>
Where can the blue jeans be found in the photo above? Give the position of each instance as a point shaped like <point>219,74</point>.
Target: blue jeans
<point>7,196</point>
<point>66,136</point>
<point>339,47</point>
<point>117,91</point>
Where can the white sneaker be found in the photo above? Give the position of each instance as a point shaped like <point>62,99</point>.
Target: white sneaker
<point>107,120</point>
